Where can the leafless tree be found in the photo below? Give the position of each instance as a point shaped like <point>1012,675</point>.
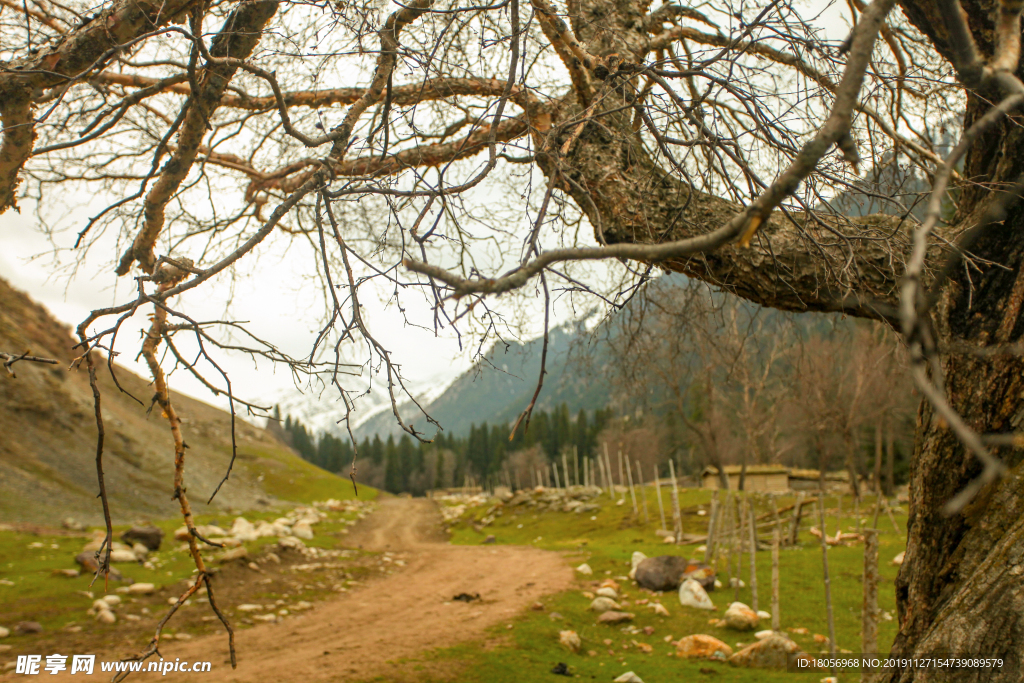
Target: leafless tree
<point>510,146</point>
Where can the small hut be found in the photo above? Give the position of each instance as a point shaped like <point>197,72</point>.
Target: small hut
<point>759,477</point>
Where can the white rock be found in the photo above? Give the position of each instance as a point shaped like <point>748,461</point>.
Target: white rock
<point>105,616</point>
<point>100,604</point>
<point>302,530</point>
<point>243,530</point>
<point>635,560</point>
<point>702,548</point>
<point>764,615</point>
<point>181,533</point>
<point>119,556</point>
<point>829,679</point>
<point>141,588</point>
<point>585,569</point>
<point>291,543</point>
<point>898,560</point>
<point>718,584</point>
<point>112,599</point>
<point>628,677</point>
<point>733,582</point>
<point>761,635</point>
<point>740,617</point>
<point>692,594</point>
<point>249,608</point>
<point>4,632</point>
<point>602,605</point>
<point>570,640</point>
<point>265,617</point>
<point>659,609</point>
<point>140,551</point>
<point>608,592</point>
<point>669,539</point>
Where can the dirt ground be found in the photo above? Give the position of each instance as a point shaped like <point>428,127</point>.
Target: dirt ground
<point>358,635</point>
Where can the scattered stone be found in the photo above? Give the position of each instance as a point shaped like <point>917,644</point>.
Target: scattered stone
<point>234,554</point>
<point>701,646</point>
<point>628,677</point>
<point>659,609</point>
<point>898,560</point>
<point>607,592</point>
<point>265,617</point>
<point>148,536</point>
<point>6,648</point>
<point>667,572</point>
<point>799,630</point>
<point>246,607</point>
<point>537,607</point>
<point>302,530</point>
<point>555,616</point>
<point>662,533</point>
<point>829,679</point>
<point>561,669</point>
<point>634,561</point>
<point>290,543</point>
<point>614,617</point>
<point>739,617</point>
<point>603,604</point>
<point>67,573</point>
<point>273,557</point>
<point>255,567</point>
<point>28,627</point>
<point>111,600</point>
<point>141,588</point>
<point>610,583</point>
<point>692,594</point>
<point>585,569</point>
<point>570,640</point>
<point>820,639</point>
<point>643,647</point>
<point>4,632</point>
<point>764,615</point>
<point>71,524</point>
<point>717,623</point>
<point>105,616</point>
<point>669,540</point>
<point>776,652</point>
<point>733,582</point>
<point>490,539</point>
<point>181,533</point>
<point>466,597</point>
<point>761,635</point>
<point>122,556</point>
<point>718,584</point>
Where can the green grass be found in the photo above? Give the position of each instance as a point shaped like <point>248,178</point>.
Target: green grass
<point>607,543</point>
<point>289,477</point>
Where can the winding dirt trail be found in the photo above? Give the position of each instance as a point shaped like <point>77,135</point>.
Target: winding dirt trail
<point>353,637</point>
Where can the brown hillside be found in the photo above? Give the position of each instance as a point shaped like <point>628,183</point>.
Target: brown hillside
<point>48,440</point>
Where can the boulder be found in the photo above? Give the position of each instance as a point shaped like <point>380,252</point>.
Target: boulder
<point>140,551</point>
<point>302,530</point>
<point>141,588</point>
<point>234,554</point>
<point>570,640</point>
<point>628,677</point>
<point>692,594</point>
<point>149,536</point>
<point>181,533</point>
<point>775,652</point>
<point>105,616</point>
<point>667,572</point>
<point>87,560</point>
<point>761,635</point>
<point>700,646</point>
<point>603,604</point>
<point>4,632</point>
<point>26,627</point>
<point>585,569</point>
<point>898,560</point>
<point>764,615</point>
<point>614,617</point>
<point>634,562</point>
<point>123,556</point>
<point>739,617</point>
<point>111,600</point>
<point>243,530</point>
<point>608,592</point>
<point>659,609</point>
<point>290,543</point>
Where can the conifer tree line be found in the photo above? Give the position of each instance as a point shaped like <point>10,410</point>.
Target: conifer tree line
<point>404,465</point>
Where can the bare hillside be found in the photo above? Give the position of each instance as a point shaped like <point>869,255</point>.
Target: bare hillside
<point>48,440</point>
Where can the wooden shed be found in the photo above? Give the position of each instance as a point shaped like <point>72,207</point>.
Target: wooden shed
<point>759,478</point>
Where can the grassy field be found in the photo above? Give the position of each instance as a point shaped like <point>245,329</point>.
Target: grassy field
<point>31,588</point>
<point>527,647</point>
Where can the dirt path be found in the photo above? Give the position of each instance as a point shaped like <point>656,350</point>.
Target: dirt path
<point>353,636</point>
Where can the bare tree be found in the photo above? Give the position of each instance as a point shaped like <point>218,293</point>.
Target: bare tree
<point>494,148</point>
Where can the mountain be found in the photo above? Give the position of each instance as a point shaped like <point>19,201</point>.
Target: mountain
<point>499,386</point>
<point>48,440</point>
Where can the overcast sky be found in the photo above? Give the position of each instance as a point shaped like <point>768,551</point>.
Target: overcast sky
<point>276,300</point>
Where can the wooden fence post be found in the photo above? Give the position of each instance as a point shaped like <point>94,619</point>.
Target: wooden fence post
<point>794,528</point>
<point>661,505</point>
<point>753,554</point>
<point>869,613</point>
<point>632,490</point>
<point>709,543</point>
<point>576,465</point>
<point>643,489</point>
<point>737,539</point>
<point>776,618</point>
<point>677,518</point>
<point>828,585</point>
<point>565,472</point>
